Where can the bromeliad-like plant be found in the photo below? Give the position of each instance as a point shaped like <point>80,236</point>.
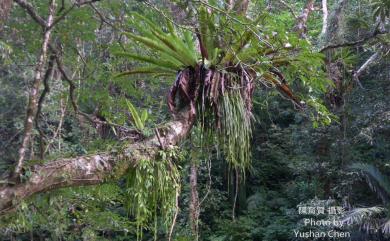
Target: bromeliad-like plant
<point>217,76</point>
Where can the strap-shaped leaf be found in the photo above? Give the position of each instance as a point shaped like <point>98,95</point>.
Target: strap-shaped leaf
<point>158,62</point>
<point>144,116</point>
<point>145,70</point>
<point>134,114</point>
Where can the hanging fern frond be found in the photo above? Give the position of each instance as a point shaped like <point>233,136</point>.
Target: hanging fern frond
<point>386,227</point>
<point>236,131</point>
<point>381,9</point>
<point>367,219</point>
<point>378,182</point>
<point>152,188</point>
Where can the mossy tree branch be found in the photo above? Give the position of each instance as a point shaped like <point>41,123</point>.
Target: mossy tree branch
<point>95,168</point>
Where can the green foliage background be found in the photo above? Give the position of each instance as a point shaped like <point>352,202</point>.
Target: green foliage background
<point>296,156</point>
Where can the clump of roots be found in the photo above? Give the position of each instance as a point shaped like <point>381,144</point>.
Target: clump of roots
<point>221,102</point>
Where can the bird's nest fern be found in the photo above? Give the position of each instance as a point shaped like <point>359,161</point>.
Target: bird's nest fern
<point>216,66</point>
<point>216,69</point>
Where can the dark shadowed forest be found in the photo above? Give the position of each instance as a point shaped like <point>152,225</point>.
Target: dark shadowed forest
<point>194,120</point>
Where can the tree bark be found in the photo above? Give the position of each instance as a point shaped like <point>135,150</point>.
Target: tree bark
<point>324,16</point>
<point>334,22</point>
<point>301,26</point>
<point>5,7</point>
<point>31,11</point>
<point>33,95</point>
<point>95,168</point>
<point>194,202</point>
<point>364,67</point>
<point>240,6</point>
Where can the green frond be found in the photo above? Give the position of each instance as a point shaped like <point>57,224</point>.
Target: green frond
<point>386,227</point>
<point>189,41</point>
<point>158,62</point>
<point>367,218</point>
<point>171,28</point>
<point>150,23</point>
<point>237,131</point>
<point>160,46</point>
<point>145,70</point>
<point>139,124</point>
<point>170,58</point>
<point>148,42</point>
<point>144,116</point>
<point>239,45</point>
<point>378,182</point>
<point>178,49</point>
<point>206,31</point>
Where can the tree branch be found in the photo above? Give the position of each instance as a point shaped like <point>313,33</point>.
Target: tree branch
<point>365,66</point>
<point>57,132</point>
<point>374,34</point>
<point>290,9</point>
<point>95,168</point>
<point>57,20</point>
<point>301,26</point>
<point>72,88</point>
<point>33,95</point>
<point>31,11</point>
<point>48,75</point>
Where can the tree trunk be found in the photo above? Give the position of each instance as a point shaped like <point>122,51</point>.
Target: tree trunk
<point>301,26</point>
<point>324,17</point>
<point>194,203</point>
<point>95,168</point>
<point>5,7</point>
<point>334,22</point>
<point>33,95</point>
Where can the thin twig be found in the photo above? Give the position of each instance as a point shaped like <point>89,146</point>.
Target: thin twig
<point>235,195</point>
<point>162,145</point>
<point>72,88</point>
<point>289,8</point>
<point>177,194</point>
<point>102,18</point>
<point>57,20</point>
<point>32,12</point>
<point>192,29</point>
<point>208,184</point>
<point>59,127</point>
